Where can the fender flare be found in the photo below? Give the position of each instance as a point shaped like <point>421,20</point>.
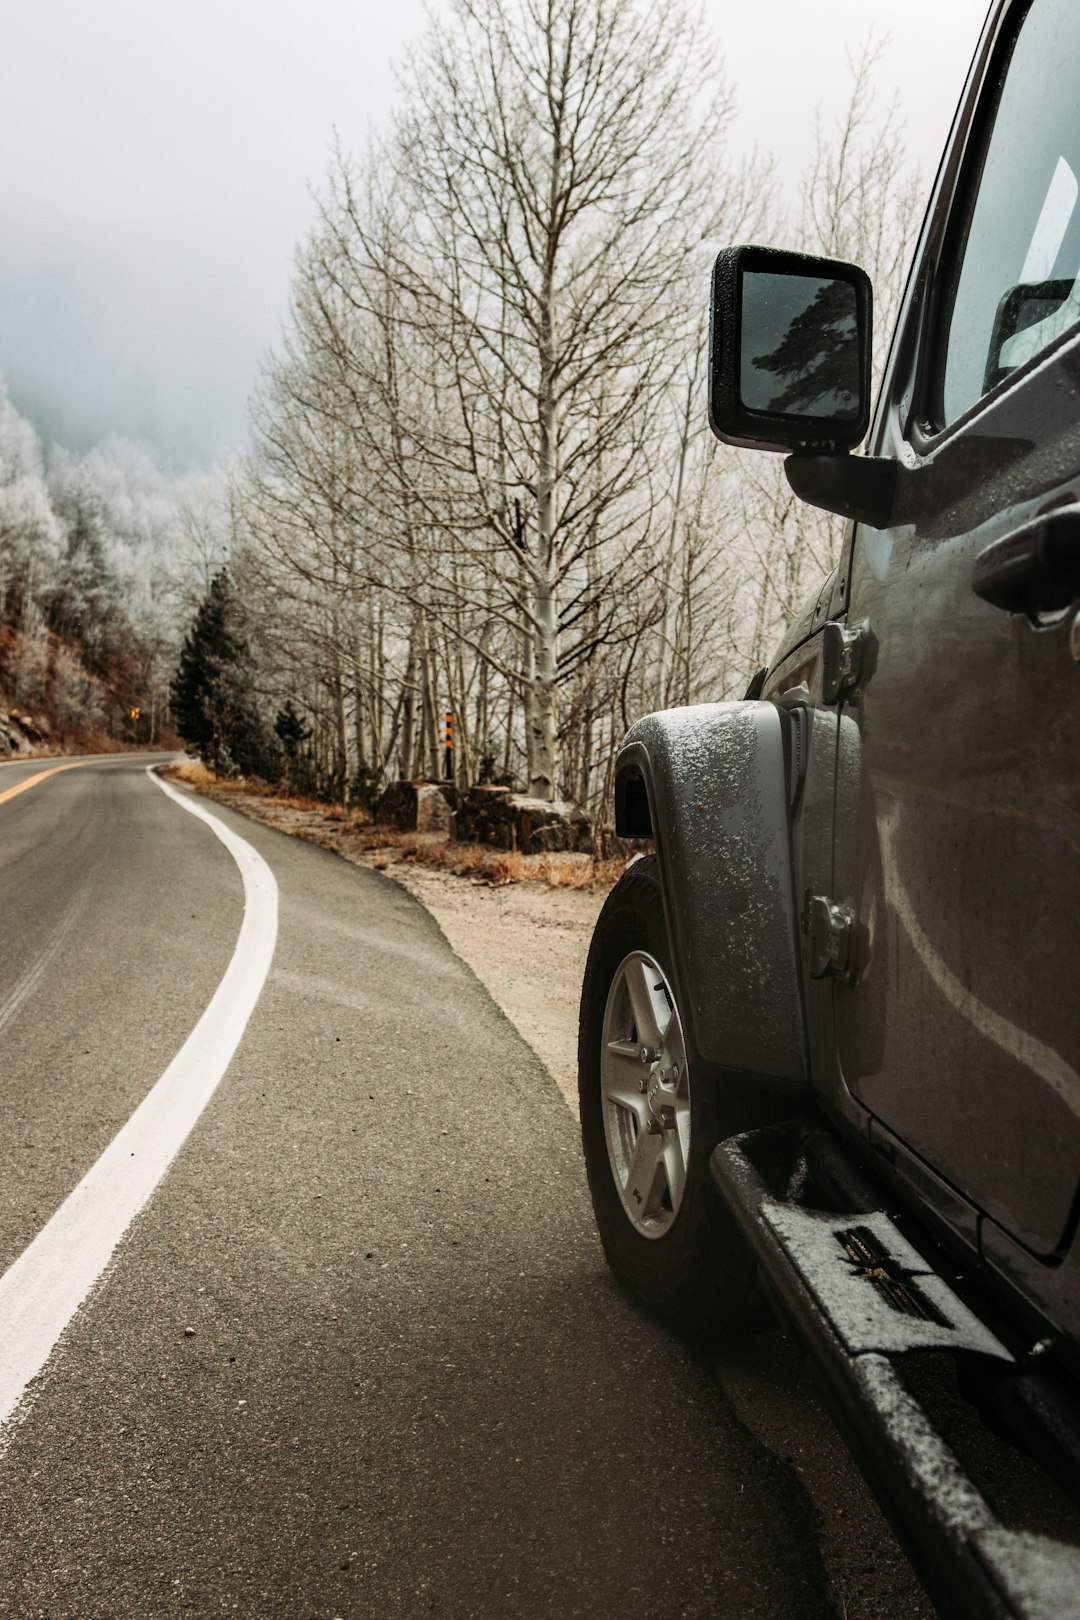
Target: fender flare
<point>710,785</point>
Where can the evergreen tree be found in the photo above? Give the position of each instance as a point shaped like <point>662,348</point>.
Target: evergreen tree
<point>291,730</point>
<point>292,733</point>
<point>211,696</point>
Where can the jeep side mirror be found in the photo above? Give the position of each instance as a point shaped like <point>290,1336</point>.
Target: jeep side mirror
<point>789,351</point>
<point>789,369</point>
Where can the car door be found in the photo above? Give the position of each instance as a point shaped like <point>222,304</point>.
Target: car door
<point>957,843</point>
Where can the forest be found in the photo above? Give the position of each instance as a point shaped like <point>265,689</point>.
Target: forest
<point>98,575</point>
<point>480,479</point>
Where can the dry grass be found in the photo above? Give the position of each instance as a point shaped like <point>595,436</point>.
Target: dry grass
<point>198,776</point>
<point>352,833</point>
<point>193,772</point>
<point>499,866</point>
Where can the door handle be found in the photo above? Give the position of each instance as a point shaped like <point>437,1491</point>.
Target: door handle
<point>1035,570</point>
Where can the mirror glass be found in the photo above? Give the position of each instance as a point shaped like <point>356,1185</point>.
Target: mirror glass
<point>799,346</point>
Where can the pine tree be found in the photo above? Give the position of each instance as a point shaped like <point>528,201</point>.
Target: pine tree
<point>292,733</point>
<point>212,702</point>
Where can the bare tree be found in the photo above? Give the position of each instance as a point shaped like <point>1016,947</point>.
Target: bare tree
<point>555,171</point>
<point>482,477</point>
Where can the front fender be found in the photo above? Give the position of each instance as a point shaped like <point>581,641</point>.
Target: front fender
<point>709,784</point>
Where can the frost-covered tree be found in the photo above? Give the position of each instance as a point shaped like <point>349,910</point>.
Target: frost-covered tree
<point>539,221</point>
<point>30,534</point>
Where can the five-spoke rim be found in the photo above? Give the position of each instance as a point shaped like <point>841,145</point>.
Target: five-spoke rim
<point>645,1094</point>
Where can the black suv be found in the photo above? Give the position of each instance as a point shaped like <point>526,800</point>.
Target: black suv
<point>830,1032</point>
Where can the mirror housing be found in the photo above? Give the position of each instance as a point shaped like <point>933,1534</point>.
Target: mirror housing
<point>789,351</point>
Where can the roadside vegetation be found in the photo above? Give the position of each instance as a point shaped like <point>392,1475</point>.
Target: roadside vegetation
<point>350,831</point>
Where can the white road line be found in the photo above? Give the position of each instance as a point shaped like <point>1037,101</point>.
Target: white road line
<point>49,1281</point>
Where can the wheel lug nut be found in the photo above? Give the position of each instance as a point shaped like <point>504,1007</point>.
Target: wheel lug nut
<point>648,1054</point>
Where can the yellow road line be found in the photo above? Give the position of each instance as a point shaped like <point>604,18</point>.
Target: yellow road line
<point>32,781</point>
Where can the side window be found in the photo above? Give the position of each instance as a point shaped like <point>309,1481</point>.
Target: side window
<point>1015,283</point>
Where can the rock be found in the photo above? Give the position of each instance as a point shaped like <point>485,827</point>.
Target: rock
<point>396,806</point>
<point>33,730</point>
<point>417,806</point>
<point>482,818</point>
<point>516,821</point>
<point>486,815</point>
<point>433,812</point>
<point>13,740</point>
<point>551,839</point>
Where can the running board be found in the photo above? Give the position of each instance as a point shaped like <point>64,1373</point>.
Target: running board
<point>857,1295</point>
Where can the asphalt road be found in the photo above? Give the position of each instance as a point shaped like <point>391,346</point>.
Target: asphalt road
<point>359,1354</point>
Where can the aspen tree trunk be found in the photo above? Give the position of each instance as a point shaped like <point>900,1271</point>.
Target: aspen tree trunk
<point>508,749</point>
<point>463,731</point>
<point>686,639</point>
<point>408,716</point>
<point>483,728</point>
<point>380,744</point>
<point>430,741</point>
<point>662,688</point>
<point>337,696</point>
<point>543,765</point>
<point>528,702</point>
<point>592,622</point>
<point>341,730</point>
<point>360,726</point>
<point>586,757</point>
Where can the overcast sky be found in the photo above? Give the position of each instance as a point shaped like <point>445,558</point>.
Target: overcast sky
<point>158,158</point>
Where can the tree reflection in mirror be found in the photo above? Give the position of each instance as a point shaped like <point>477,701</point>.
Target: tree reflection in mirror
<point>799,348</point>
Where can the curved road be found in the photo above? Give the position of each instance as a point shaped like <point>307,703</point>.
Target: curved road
<point>358,1355</point>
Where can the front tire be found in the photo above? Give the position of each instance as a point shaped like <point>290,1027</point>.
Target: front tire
<point>651,1113</point>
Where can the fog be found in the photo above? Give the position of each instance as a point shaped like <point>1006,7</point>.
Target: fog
<point>160,161</point>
